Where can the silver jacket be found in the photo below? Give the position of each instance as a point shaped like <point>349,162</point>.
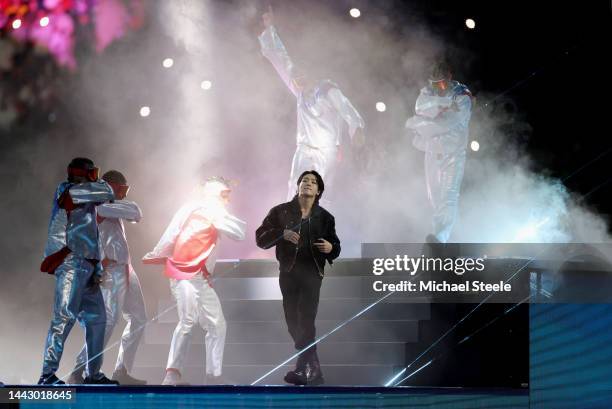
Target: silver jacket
<point>322,111</point>
<point>113,242</point>
<point>220,218</point>
<point>441,123</point>
<point>78,230</point>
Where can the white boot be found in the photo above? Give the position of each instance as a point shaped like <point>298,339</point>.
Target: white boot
<point>172,378</point>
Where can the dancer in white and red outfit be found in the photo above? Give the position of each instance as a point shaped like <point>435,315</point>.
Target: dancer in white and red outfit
<point>188,250</point>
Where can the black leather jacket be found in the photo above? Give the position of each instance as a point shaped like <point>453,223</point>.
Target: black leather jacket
<point>320,224</point>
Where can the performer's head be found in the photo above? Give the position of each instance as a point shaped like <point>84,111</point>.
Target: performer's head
<point>117,182</point>
<point>217,188</point>
<point>81,170</point>
<point>440,77</point>
<point>310,184</point>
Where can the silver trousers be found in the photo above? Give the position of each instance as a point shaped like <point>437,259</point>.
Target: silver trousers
<point>122,295</point>
<point>323,160</point>
<point>75,299</point>
<point>444,173</point>
<point>197,303</point>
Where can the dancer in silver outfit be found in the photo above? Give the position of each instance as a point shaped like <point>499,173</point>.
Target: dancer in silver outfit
<point>323,112</point>
<point>188,249</point>
<point>72,254</point>
<point>120,285</point>
<point>443,111</point>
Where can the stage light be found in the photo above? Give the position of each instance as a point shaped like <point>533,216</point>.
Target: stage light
<point>381,107</point>
<point>44,22</point>
<point>145,111</point>
<point>16,24</point>
<point>168,62</point>
<point>529,232</point>
<point>355,13</point>
<point>475,146</point>
<point>206,85</point>
<point>470,23</point>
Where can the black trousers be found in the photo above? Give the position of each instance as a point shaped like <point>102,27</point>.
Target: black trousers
<point>300,288</point>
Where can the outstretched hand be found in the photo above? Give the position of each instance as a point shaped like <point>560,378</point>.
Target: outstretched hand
<point>268,17</point>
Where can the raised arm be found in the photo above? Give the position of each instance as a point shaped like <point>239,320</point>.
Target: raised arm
<point>120,209</point>
<point>274,50</point>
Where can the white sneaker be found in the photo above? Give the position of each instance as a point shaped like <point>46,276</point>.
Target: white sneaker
<point>172,378</point>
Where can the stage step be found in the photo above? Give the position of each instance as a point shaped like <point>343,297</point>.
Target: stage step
<point>340,353</point>
<point>366,351</point>
<point>329,309</point>
<point>275,331</point>
<point>372,375</point>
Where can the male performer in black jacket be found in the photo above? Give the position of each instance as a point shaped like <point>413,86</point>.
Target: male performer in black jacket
<point>305,237</point>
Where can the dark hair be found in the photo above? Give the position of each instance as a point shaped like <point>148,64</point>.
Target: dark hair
<point>81,163</point>
<point>320,184</point>
<point>114,176</point>
<point>440,69</point>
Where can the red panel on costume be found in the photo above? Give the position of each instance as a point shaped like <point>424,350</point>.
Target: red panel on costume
<point>192,248</point>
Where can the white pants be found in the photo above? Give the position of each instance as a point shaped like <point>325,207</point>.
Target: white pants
<point>323,160</point>
<point>122,294</point>
<point>197,303</point>
<point>444,173</point>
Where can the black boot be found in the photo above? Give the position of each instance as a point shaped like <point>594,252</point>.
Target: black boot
<point>298,376</point>
<point>50,379</point>
<point>99,379</point>
<point>314,375</point>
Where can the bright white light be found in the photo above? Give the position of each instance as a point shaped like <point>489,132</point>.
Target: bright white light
<point>168,62</point>
<point>44,22</point>
<point>381,107</point>
<point>145,111</point>
<point>206,85</point>
<point>355,13</point>
<point>16,24</point>
<point>529,232</point>
<point>475,146</point>
<point>470,23</point>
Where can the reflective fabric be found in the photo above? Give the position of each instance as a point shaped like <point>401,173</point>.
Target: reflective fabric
<point>444,173</point>
<point>323,112</point>
<point>79,229</point>
<point>122,294</point>
<point>75,299</point>
<point>222,220</point>
<point>113,242</point>
<point>197,303</point>
<point>441,130</point>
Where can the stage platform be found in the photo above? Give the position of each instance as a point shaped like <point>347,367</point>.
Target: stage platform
<point>152,397</point>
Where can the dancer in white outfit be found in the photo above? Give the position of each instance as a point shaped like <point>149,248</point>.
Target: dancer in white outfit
<point>441,125</point>
<point>323,113</point>
<point>120,285</point>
